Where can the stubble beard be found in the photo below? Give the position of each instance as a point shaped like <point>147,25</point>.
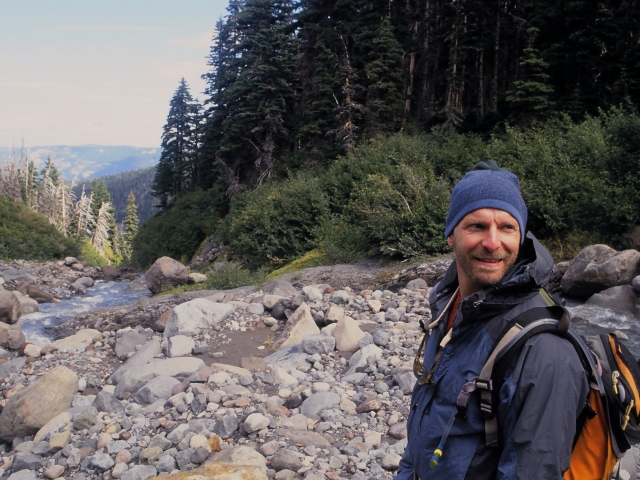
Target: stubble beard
<point>482,277</point>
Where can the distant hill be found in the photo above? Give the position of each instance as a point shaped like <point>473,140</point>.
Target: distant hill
<point>90,161</point>
<point>120,184</point>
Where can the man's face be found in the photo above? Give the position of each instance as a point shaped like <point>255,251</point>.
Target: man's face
<point>486,244</point>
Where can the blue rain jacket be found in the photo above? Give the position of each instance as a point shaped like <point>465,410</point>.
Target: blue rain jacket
<point>543,391</point>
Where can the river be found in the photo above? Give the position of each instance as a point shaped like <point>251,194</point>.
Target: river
<point>102,294</point>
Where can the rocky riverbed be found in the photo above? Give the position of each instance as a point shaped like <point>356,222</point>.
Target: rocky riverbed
<point>305,378</point>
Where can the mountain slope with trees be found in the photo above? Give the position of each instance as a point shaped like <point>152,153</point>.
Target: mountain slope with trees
<point>295,91</point>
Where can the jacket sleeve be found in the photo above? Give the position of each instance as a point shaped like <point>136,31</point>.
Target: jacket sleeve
<point>539,424</point>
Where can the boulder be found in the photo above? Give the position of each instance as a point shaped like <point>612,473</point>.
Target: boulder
<point>197,278</point>
<point>598,267</point>
<point>179,346</point>
<point>195,316</point>
<point>29,410</point>
<point>635,283</point>
<point>11,336</point>
<point>299,325</point>
<point>126,343</point>
<point>78,341</point>
<point>38,294</point>
<point>622,298</point>
<point>634,237</point>
<point>160,387</point>
<point>313,293</point>
<point>347,334</point>
<point>136,377</point>
<point>68,261</point>
<point>10,308</point>
<point>15,275</point>
<point>141,357</point>
<point>279,287</point>
<point>107,402</point>
<point>111,272</point>
<point>165,273</point>
<point>160,324</point>
<point>29,305</point>
<point>218,470</point>
<point>318,402</point>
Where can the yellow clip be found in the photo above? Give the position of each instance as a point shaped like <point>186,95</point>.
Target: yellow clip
<point>627,413</point>
<point>614,381</point>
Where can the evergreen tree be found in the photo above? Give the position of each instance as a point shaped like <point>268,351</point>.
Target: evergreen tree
<point>177,168</point>
<point>131,218</point>
<point>385,86</point>
<point>531,92</point>
<point>253,96</point>
<point>50,171</point>
<point>100,197</point>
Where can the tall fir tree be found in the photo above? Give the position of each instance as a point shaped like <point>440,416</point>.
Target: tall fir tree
<point>177,168</point>
<point>130,225</point>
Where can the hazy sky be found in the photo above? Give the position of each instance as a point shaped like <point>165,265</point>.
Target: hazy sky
<point>75,72</point>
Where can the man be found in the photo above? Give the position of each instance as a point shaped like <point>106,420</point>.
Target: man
<point>497,275</point>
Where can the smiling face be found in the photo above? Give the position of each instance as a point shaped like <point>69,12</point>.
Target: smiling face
<point>486,244</point>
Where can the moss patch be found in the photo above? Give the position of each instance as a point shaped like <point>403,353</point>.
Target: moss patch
<point>313,258</point>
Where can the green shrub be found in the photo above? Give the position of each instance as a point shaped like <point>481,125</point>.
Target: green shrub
<point>274,223</point>
<point>178,231</point>
<point>233,276</point>
<point>28,235</point>
<point>90,255</point>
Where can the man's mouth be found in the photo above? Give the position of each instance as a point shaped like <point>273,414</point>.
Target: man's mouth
<point>489,260</point>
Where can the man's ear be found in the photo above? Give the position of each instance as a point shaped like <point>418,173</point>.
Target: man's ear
<point>450,240</point>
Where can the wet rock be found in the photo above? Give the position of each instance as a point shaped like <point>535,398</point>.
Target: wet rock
<point>29,305</point>
<point>11,336</point>
<point>598,267</point>
<point>28,411</point>
<point>622,298</point>
<point>10,307</point>
<point>165,273</point>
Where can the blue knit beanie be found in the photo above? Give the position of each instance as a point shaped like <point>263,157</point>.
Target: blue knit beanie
<point>487,186</point>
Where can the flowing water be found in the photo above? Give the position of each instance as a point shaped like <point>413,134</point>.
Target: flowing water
<point>102,294</point>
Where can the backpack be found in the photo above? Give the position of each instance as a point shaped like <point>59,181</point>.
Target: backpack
<point>608,424</point>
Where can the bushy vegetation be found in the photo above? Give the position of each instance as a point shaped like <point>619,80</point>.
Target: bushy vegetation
<point>390,196</point>
<point>178,231</point>
<point>27,235</point>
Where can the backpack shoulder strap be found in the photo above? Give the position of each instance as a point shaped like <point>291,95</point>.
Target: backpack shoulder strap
<point>552,318</point>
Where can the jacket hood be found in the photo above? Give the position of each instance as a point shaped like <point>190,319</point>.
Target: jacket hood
<point>532,269</point>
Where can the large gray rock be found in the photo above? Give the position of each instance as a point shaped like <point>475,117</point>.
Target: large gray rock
<point>10,307</point>
<point>226,426</point>
<point>598,267</point>
<point>347,335</point>
<point>139,472</point>
<point>13,365</point>
<point>160,387</point>
<point>238,456</point>
<point>622,299</point>
<point>279,287</point>
<point>635,283</point>
<point>286,459</point>
<point>193,317</point>
<point>15,275</point>
<point>127,342</point>
<point>136,377</point>
<point>141,357</point>
<point>318,402</point>
<point>165,273</point>
<point>255,422</point>
<point>28,304</point>
<point>79,341</point>
<point>30,409</point>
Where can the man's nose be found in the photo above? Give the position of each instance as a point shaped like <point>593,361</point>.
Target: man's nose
<point>491,240</point>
